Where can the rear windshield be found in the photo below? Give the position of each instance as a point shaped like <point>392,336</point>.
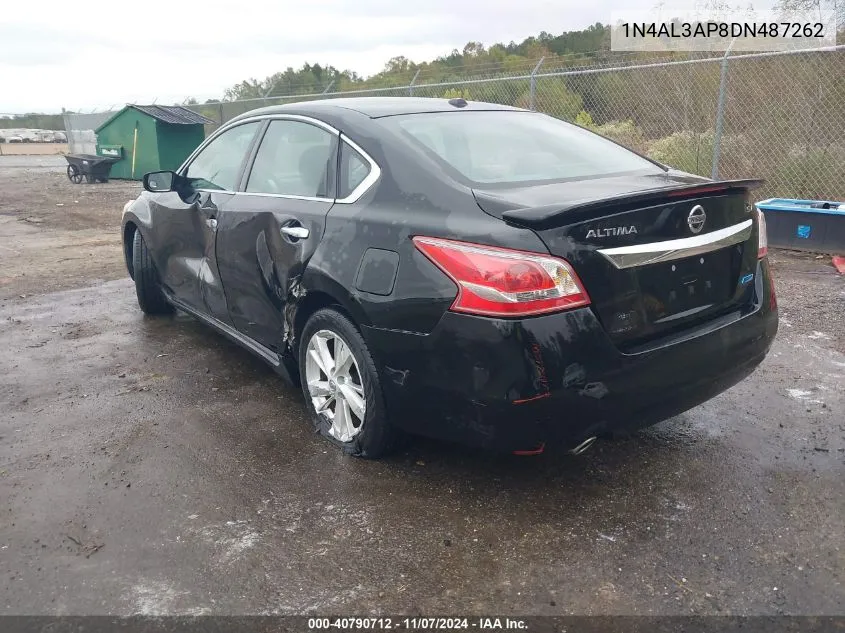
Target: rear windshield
<point>515,147</point>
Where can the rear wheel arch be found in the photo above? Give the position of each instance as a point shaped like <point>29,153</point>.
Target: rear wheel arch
<point>322,291</point>
<point>313,302</point>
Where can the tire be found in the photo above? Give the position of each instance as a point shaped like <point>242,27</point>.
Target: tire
<point>73,174</point>
<point>147,285</point>
<point>373,437</point>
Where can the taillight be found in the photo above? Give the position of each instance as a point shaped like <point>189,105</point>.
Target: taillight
<point>762,237</point>
<point>502,282</point>
<point>773,297</point>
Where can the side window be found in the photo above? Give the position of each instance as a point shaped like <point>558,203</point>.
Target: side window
<point>353,169</point>
<point>295,159</point>
<point>218,165</point>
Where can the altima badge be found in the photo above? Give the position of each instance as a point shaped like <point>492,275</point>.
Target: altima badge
<point>612,231</point>
<point>696,219</point>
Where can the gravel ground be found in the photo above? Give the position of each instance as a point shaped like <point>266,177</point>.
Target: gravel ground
<point>54,234</point>
<point>149,466</point>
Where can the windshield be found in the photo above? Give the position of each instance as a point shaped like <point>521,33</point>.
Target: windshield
<point>515,147</point>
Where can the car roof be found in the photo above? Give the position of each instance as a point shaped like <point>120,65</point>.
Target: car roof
<point>376,107</point>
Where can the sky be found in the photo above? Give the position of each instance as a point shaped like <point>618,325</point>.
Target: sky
<point>102,54</point>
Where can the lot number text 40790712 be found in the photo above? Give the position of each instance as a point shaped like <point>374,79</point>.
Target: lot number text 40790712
<point>418,624</point>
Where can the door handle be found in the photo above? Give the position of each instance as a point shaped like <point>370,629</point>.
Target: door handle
<point>296,232</point>
<point>211,223</point>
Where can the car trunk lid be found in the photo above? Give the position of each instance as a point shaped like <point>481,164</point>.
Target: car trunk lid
<point>657,255</point>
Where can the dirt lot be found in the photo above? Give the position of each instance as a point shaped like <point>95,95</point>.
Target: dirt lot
<point>149,466</point>
<point>32,149</point>
<point>54,234</point>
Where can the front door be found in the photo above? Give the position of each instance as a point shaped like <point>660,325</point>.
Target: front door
<point>187,221</point>
<point>179,244</point>
<point>270,229</point>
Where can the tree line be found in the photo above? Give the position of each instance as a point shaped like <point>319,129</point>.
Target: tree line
<point>784,116</point>
<point>32,121</point>
<point>570,48</point>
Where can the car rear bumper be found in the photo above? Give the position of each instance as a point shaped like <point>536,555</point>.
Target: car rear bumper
<point>512,384</point>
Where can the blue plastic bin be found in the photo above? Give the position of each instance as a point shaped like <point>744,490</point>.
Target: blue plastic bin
<point>807,225</point>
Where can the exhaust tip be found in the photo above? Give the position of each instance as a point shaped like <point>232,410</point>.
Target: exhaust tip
<point>583,446</point>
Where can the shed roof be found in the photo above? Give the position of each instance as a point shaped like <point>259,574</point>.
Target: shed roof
<point>176,115</point>
<point>172,114</point>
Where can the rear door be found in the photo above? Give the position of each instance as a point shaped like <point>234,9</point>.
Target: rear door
<point>186,222</point>
<point>270,229</point>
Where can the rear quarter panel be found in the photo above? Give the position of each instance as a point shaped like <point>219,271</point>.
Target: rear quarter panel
<point>412,197</point>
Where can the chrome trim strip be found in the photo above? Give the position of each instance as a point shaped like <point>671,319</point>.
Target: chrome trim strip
<point>369,181</point>
<point>216,191</point>
<point>655,252</point>
<point>360,190</point>
<point>282,195</point>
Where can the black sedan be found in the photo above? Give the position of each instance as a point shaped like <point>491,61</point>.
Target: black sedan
<point>460,270</point>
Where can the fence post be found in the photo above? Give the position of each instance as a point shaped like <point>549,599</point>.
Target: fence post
<point>220,104</point>
<point>68,132</point>
<point>269,90</point>
<point>720,112</point>
<point>413,81</point>
<point>533,89</point>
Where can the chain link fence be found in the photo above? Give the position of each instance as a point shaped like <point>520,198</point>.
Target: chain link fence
<point>80,128</point>
<point>776,116</point>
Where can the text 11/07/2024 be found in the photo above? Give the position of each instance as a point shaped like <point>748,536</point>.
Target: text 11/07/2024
<point>418,624</point>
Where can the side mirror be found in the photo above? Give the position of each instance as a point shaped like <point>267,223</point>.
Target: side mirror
<point>158,181</point>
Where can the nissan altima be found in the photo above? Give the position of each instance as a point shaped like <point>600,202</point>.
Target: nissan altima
<point>460,270</point>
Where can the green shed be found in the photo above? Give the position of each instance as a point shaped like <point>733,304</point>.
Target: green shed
<point>149,138</point>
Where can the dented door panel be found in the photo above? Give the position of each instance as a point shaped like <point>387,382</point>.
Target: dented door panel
<point>183,244</point>
<point>210,283</point>
<point>260,265</point>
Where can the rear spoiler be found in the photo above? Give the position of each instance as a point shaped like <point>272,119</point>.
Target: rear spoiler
<point>551,215</point>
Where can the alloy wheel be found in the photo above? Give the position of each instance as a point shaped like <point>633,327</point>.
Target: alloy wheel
<point>335,385</point>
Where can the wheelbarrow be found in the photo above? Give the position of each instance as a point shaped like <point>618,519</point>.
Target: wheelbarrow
<point>92,168</point>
